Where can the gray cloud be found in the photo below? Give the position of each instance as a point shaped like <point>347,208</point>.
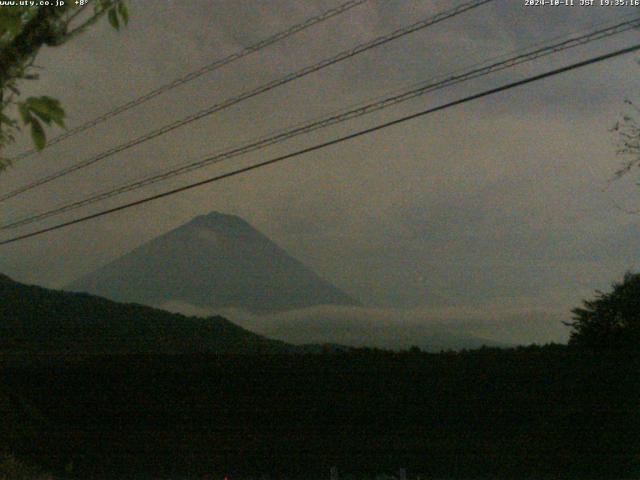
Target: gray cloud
<point>434,329</point>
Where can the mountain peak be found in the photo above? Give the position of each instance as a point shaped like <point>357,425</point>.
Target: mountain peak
<point>219,220</point>
<point>214,261</point>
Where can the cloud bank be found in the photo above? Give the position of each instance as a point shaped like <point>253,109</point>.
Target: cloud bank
<point>430,329</point>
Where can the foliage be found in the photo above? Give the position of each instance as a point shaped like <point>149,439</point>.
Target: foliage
<point>628,130</point>
<point>535,414</point>
<point>611,320</point>
<point>23,31</point>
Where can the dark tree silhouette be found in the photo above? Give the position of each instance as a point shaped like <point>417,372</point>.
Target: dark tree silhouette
<point>611,320</point>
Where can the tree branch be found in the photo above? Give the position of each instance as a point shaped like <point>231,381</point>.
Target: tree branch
<point>26,44</point>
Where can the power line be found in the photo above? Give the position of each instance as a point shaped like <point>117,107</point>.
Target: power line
<point>385,102</point>
<point>350,114</point>
<point>253,93</point>
<point>198,73</point>
<point>335,141</point>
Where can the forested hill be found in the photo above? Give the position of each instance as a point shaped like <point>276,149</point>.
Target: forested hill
<point>529,413</point>
<point>39,320</point>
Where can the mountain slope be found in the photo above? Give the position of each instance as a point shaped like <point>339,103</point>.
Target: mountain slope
<point>216,261</point>
<point>38,320</point>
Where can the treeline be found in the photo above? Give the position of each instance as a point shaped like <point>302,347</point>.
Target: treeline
<point>530,412</point>
<point>42,321</point>
<point>484,350</point>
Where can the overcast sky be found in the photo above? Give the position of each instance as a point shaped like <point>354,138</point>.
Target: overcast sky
<point>496,204</point>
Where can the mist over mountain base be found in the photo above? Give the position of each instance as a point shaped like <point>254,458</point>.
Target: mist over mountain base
<point>430,329</point>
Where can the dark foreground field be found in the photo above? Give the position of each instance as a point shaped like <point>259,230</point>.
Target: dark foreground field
<point>533,413</point>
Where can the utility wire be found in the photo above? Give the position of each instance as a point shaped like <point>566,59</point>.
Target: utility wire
<point>335,141</point>
<point>436,78</point>
<point>252,93</point>
<point>198,73</point>
<point>332,120</point>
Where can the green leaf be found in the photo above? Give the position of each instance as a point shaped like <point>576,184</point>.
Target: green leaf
<point>45,105</point>
<point>123,11</point>
<point>37,134</point>
<point>10,23</point>
<point>59,122</point>
<point>113,19</point>
<point>47,109</point>
<point>42,117</point>
<point>102,5</point>
<point>25,113</point>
